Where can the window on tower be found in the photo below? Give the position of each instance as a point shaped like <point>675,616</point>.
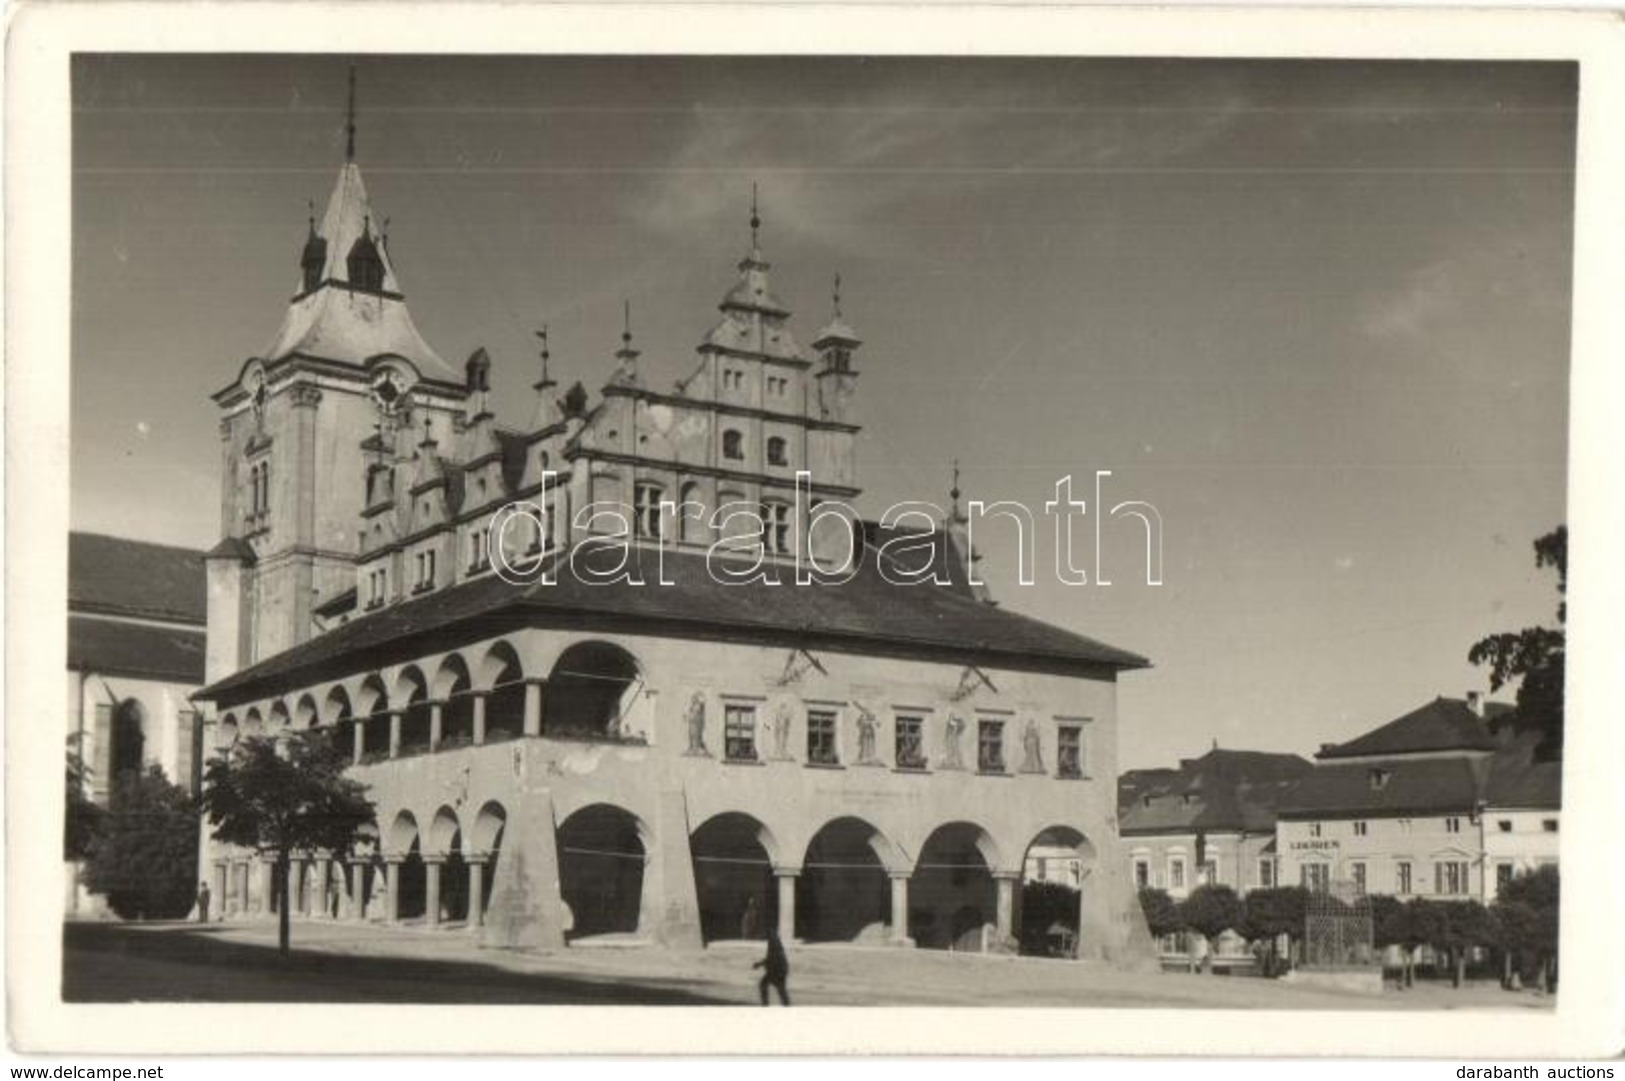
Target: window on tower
<point>776,528</point>
<point>646,510</point>
<point>733,445</point>
<point>776,451</point>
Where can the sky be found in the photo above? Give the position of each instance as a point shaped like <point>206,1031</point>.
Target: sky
<point>1316,313</point>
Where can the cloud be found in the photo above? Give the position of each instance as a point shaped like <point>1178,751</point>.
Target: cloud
<point>836,175</point>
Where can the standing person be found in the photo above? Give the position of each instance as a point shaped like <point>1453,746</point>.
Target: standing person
<point>777,967</point>
<point>203,902</point>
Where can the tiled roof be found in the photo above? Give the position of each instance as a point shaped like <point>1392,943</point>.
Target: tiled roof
<point>1520,777</point>
<point>1444,724</point>
<point>1222,790</point>
<point>116,648</point>
<point>116,576</point>
<point>867,614</point>
<point>1393,787</point>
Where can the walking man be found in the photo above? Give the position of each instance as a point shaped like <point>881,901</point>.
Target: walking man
<point>203,902</point>
<point>777,969</point>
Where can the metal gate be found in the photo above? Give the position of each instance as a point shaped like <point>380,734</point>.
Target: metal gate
<point>1337,928</point>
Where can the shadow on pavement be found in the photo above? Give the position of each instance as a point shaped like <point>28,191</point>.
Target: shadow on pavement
<point>113,963</point>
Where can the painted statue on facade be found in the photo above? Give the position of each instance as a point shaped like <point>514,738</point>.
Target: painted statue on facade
<point>1032,757</point>
<point>951,758</point>
<point>696,725</point>
<point>867,728</point>
<point>781,731</point>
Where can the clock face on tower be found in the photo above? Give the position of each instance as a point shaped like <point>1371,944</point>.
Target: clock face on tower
<point>388,393</point>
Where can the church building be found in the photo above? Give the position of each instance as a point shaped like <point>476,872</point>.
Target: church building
<point>617,714</point>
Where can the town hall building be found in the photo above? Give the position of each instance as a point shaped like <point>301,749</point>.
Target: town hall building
<point>579,722</point>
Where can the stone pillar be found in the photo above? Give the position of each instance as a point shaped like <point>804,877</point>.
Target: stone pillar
<point>785,878</point>
<point>476,893</point>
<point>899,910</point>
<point>324,871</point>
<point>267,879</point>
<point>392,889</point>
<point>670,911</point>
<point>1005,920</point>
<point>360,734</point>
<point>436,725</point>
<point>358,889</point>
<point>431,892</point>
<point>219,887</point>
<point>479,717</point>
<point>298,903</point>
<point>395,734</point>
<point>533,709</point>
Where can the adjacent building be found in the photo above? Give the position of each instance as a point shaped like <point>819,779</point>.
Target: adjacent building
<point>1209,822</point>
<point>1448,801</point>
<point>649,729</point>
<point>136,630</point>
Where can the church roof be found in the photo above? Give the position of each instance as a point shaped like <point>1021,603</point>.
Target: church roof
<point>113,647</point>
<point>122,577</point>
<point>866,615</point>
<point>338,319</point>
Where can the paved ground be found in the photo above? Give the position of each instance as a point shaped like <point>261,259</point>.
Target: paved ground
<point>237,962</point>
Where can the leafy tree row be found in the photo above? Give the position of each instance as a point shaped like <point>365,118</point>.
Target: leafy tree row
<point>1521,925</point>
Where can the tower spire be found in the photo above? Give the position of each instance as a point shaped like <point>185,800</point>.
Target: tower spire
<point>349,122</point>
<point>755,221</point>
<point>547,355</point>
<point>836,297</point>
<point>953,494</point>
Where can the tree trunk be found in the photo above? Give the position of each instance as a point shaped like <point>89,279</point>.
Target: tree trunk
<point>283,926</point>
<point>1458,965</point>
<point>1506,970</point>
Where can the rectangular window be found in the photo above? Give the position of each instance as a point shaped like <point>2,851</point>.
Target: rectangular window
<point>646,511</point>
<point>1359,829</point>
<point>1549,825</point>
<point>1266,874</point>
<point>1402,877</point>
<point>1315,877</point>
<point>1357,873</point>
<point>1176,873</point>
<point>1504,825</point>
<point>1210,873</point>
<point>1452,825</point>
<point>990,746</point>
<point>1142,874</point>
<point>429,578</point>
<point>1503,877</point>
<point>821,738</point>
<point>739,732</point>
<point>1314,829</point>
<point>910,743</point>
<point>776,527</point>
<point>1450,877</point>
<point>1069,751</point>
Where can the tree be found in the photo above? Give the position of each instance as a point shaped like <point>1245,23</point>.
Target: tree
<point>1390,926</point>
<point>1161,914</point>
<point>1537,892</point>
<point>82,821</point>
<point>1535,655</point>
<point>1045,905</point>
<point>1211,910</point>
<point>283,796</point>
<point>144,857</point>
<point>1269,914</point>
<point>1463,925</point>
<point>1517,928</point>
<point>1423,925</point>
